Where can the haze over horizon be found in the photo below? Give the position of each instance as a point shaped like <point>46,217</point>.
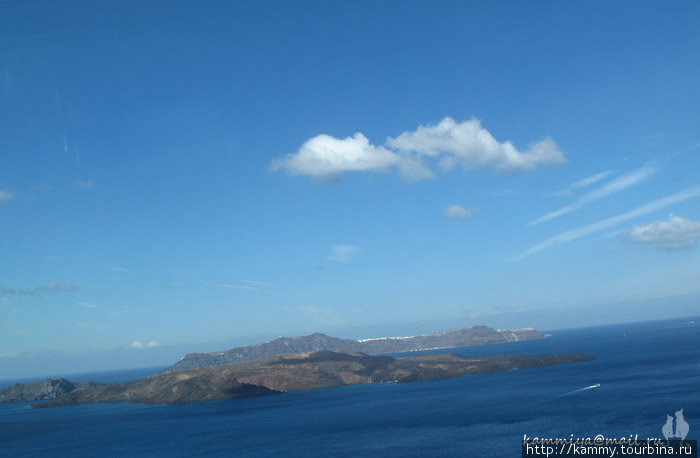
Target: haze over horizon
<point>176,176</point>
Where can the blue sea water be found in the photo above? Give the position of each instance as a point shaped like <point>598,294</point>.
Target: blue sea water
<point>645,370</point>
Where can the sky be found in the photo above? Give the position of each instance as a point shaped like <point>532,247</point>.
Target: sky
<point>188,176</point>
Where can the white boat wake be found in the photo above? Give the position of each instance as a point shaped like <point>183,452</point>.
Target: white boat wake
<point>590,387</point>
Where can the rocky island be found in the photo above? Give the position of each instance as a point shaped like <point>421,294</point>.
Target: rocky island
<point>298,363</point>
<point>462,337</point>
<point>303,371</point>
<point>44,390</point>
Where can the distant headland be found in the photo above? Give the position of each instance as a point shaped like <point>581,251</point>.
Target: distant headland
<point>456,338</point>
<point>298,363</point>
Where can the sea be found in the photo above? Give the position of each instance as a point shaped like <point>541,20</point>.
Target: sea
<point>643,372</point>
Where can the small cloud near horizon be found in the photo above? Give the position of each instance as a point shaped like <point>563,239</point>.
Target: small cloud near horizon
<point>675,234</point>
<point>138,344</point>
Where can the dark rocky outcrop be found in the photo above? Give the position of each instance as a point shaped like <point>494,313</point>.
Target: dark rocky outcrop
<point>44,390</point>
<point>177,388</point>
<point>463,337</point>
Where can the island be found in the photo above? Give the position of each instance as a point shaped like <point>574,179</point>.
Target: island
<point>462,337</point>
<point>299,371</point>
<point>46,389</point>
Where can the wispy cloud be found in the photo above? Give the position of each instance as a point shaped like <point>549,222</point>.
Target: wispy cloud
<point>614,186</point>
<point>6,195</point>
<point>49,287</point>
<point>448,144</point>
<point>87,305</point>
<point>503,192</point>
<point>253,282</point>
<point>9,355</point>
<point>574,234</point>
<point>117,268</point>
<point>585,182</point>
<point>121,310</point>
<point>327,317</point>
<point>675,234</point>
<point>55,258</point>
<point>91,324</point>
<point>54,286</point>
<point>343,253</point>
<point>244,287</point>
<point>458,212</point>
<point>6,291</point>
<point>83,184</point>
<point>247,285</point>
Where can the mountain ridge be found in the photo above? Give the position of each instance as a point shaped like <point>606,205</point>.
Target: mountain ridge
<point>462,337</point>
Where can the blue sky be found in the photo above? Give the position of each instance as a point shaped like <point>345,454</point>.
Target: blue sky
<point>180,176</point>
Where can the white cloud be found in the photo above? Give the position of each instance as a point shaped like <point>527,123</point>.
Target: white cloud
<point>457,211</point>
<point>574,234</point>
<point>87,305</point>
<point>342,253</point>
<point>675,234</point>
<point>151,344</point>
<point>6,195</point>
<point>448,143</point>
<point>325,156</point>
<point>468,144</point>
<point>582,183</point>
<point>617,185</point>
